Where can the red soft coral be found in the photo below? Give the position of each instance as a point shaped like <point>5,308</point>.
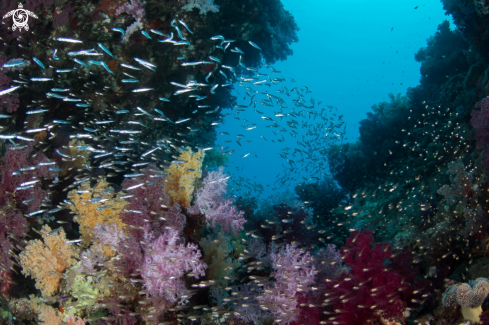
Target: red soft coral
<point>371,290</point>
<point>480,121</point>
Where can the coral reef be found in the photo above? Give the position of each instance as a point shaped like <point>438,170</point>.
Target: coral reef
<point>115,207</point>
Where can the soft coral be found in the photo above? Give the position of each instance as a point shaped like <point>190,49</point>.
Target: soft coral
<point>372,289</point>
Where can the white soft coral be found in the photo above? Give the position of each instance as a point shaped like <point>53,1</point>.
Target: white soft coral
<point>203,5</point>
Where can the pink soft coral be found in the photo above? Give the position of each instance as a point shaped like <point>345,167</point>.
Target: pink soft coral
<point>227,216</point>
<point>165,262</point>
<point>293,273</point>
<point>210,200</point>
<point>214,187</point>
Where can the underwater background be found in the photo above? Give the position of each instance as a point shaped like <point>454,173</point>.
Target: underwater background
<point>244,162</point>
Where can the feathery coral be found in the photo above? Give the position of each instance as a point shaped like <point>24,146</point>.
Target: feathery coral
<point>181,177</point>
<point>46,261</point>
<point>95,206</point>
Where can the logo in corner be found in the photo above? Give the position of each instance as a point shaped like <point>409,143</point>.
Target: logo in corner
<point>20,17</point>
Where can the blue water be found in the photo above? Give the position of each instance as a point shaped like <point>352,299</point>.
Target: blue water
<point>351,54</point>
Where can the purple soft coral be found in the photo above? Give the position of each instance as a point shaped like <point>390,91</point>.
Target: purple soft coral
<point>165,262</point>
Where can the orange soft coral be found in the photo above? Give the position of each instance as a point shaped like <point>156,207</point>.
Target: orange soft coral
<point>96,206</point>
<point>46,261</point>
<point>182,176</point>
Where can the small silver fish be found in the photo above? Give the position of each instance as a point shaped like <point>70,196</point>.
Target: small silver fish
<point>69,40</point>
<point>129,66</point>
<point>140,90</point>
<point>8,90</point>
<point>182,120</point>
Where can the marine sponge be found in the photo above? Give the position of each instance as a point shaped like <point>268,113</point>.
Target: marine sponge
<point>95,206</point>
<point>182,176</point>
<point>47,261</point>
<point>469,296</point>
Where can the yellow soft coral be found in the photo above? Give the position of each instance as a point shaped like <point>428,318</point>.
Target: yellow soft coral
<point>46,261</point>
<point>96,206</point>
<point>181,177</point>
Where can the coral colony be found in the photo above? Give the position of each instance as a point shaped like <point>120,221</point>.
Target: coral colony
<point>116,206</point>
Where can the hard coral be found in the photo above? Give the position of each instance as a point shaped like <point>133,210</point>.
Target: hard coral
<point>46,260</point>
<point>469,296</point>
<point>182,176</point>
